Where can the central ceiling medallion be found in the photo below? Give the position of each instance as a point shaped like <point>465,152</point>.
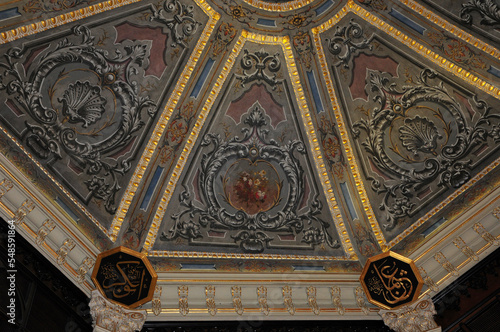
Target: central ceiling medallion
<point>252,186</point>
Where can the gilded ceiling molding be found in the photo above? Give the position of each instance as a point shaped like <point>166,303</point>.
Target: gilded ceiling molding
<point>456,31</point>
<point>30,29</point>
<point>426,53</point>
<point>342,127</point>
<point>167,195</point>
<point>450,198</point>
<point>278,7</point>
<point>316,150</point>
<point>284,42</point>
<point>38,224</point>
<point>158,132</point>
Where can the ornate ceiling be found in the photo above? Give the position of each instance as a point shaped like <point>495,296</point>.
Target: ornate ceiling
<point>252,143</point>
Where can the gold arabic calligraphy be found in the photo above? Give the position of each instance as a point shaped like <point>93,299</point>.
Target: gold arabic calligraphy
<point>127,281</point>
<point>396,287</point>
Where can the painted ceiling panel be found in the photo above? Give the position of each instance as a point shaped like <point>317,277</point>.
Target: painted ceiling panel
<point>482,18</point>
<point>418,135</point>
<point>249,184</point>
<point>85,100</point>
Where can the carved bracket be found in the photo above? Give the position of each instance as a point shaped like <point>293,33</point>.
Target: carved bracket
<point>114,318</point>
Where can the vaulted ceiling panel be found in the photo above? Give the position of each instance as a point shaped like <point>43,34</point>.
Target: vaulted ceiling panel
<point>291,138</point>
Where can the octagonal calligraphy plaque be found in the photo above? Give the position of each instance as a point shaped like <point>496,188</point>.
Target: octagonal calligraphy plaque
<point>125,277</point>
<point>391,280</point>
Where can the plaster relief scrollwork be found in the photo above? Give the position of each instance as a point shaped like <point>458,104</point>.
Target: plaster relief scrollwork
<point>420,137</point>
<point>479,228</point>
<point>347,41</point>
<point>183,300</point>
<point>336,300</point>
<point>178,18</point>
<point>417,317</point>
<point>487,9</point>
<point>81,114</point>
<point>236,295</point>
<point>262,299</point>
<point>62,253</point>
<point>311,299</point>
<point>47,227</point>
<point>260,61</point>
<point>287,300</point>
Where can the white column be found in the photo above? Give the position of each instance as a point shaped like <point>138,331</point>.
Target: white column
<point>110,317</point>
<point>416,317</point>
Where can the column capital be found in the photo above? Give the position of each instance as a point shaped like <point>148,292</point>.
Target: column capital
<point>110,317</point>
<point>416,317</point>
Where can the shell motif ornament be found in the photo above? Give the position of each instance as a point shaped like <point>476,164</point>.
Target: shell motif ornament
<point>82,102</point>
<point>419,135</point>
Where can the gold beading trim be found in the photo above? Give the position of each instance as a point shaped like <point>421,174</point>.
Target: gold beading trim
<point>162,123</point>
<point>284,42</point>
<point>155,225</point>
<point>278,7</point>
<point>342,127</point>
<point>222,255</point>
<point>426,53</point>
<point>448,27</point>
<point>61,19</point>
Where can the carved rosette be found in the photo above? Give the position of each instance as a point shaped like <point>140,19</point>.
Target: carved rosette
<point>107,316</point>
